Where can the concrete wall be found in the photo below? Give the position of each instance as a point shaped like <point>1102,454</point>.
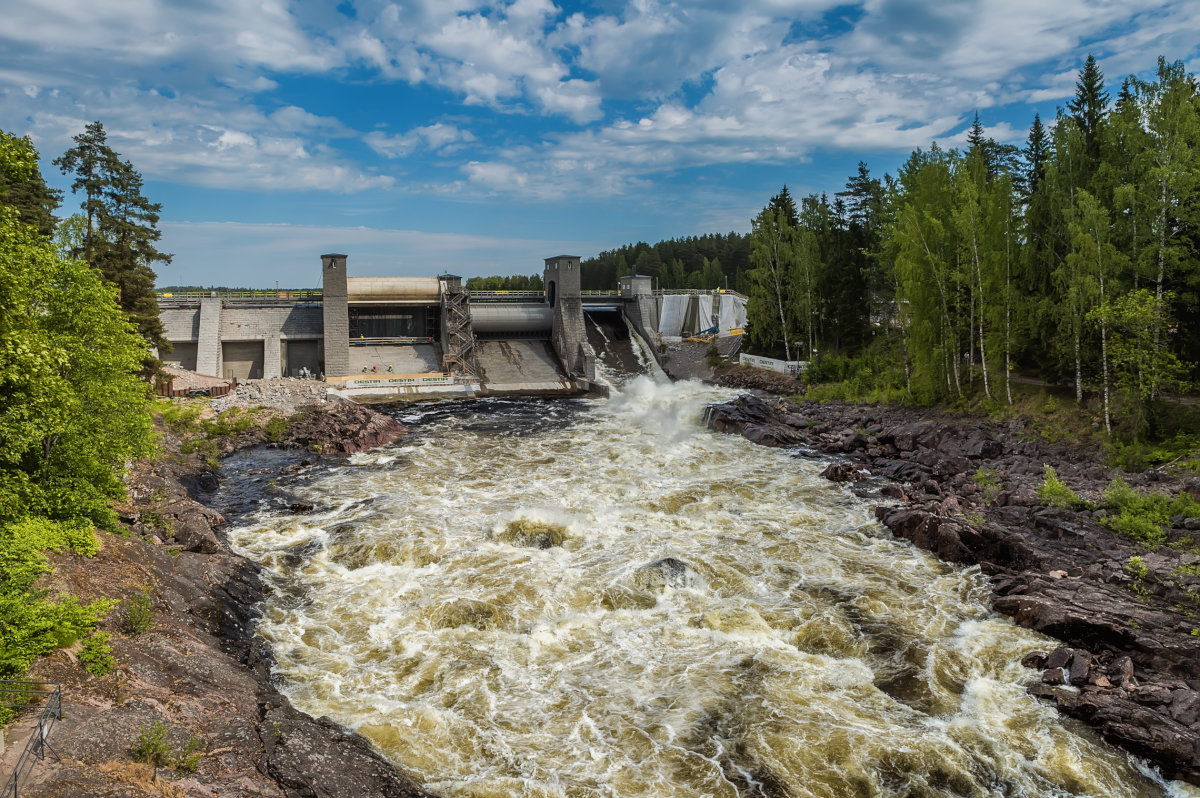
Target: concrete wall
<point>200,332</point>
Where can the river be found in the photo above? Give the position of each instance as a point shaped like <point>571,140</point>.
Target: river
<point>603,598</point>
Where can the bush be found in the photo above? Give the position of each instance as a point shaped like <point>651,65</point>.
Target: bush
<point>275,429</point>
<point>139,613</point>
<point>30,623</point>
<point>96,654</point>
<point>986,480</point>
<point>1054,493</point>
<point>151,746</point>
<point>1144,517</point>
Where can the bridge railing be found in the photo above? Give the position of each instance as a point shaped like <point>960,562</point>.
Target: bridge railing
<point>22,695</point>
<point>285,295</point>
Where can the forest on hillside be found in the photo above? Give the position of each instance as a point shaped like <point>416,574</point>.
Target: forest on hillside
<point>1072,259</point>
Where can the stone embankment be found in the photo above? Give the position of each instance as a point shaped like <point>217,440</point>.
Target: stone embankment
<point>965,490</point>
<point>198,669</point>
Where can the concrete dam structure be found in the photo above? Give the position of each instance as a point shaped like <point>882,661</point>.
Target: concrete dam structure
<point>401,336</point>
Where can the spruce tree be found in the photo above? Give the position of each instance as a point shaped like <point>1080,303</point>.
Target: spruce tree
<point>121,229</point>
<point>1088,108</point>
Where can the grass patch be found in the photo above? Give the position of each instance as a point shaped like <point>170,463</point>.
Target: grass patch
<point>1053,493</point>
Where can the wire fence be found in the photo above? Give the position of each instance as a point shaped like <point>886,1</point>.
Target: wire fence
<point>47,697</point>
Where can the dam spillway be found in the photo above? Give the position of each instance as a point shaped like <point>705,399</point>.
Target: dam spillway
<point>404,337</point>
<point>603,598</point>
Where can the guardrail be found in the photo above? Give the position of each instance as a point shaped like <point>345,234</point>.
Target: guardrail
<point>30,694</point>
<point>287,295</point>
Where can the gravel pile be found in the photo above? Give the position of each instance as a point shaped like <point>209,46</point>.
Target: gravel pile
<point>287,395</point>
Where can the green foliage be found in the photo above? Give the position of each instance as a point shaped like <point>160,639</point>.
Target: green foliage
<point>138,613</point>
<point>151,746</point>
<point>189,758</point>
<point>1136,567</point>
<point>72,410</point>
<point>1053,493</point>
<point>121,229</point>
<point>986,479</point>
<point>96,654</point>
<point>30,623</point>
<point>275,429</point>
<point>1144,516</point>
<point>153,749</point>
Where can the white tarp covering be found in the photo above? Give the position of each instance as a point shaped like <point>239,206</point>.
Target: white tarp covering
<point>733,313</point>
<point>704,317</point>
<point>670,319</point>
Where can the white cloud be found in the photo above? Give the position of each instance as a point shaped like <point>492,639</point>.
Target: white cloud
<point>439,137</point>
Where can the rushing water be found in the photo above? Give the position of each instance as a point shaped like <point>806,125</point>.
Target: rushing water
<point>568,598</point>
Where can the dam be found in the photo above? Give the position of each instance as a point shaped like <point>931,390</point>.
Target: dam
<point>392,337</point>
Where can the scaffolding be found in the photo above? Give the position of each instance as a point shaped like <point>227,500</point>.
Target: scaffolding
<point>458,339</point>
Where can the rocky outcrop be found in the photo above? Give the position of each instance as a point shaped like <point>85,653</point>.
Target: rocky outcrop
<point>964,489</point>
<point>198,670</point>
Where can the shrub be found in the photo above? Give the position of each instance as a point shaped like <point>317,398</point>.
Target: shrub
<point>1145,516</point>
<point>30,623</point>
<point>151,746</point>
<point>189,758</point>
<point>1054,493</point>
<point>139,613</point>
<point>96,654</point>
<point>986,480</point>
<point>275,429</point>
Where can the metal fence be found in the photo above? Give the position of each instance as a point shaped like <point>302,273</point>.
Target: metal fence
<point>45,696</point>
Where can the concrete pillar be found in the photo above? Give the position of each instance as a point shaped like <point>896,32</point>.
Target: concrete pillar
<point>208,344</point>
<point>336,310</point>
<point>271,361</point>
<point>562,281</point>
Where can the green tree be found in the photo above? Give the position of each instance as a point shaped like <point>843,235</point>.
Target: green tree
<point>72,410</point>
<point>122,230</point>
<point>1088,109</point>
<point>33,200</point>
<point>1141,369</point>
<point>1093,253</point>
<point>772,256</point>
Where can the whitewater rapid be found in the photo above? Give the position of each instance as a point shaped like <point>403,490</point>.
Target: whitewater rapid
<point>604,598</point>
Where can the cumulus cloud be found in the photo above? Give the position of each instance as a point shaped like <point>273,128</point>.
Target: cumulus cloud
<point>439,137</point>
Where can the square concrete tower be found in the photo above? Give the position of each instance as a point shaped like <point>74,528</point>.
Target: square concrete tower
<point>336,311</point>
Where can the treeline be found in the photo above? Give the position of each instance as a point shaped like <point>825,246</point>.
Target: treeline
<point>1073,258</point>
<point>708,261</point>
<point>518,282</point>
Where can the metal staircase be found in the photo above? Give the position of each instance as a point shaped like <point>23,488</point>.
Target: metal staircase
<point>458,340</point>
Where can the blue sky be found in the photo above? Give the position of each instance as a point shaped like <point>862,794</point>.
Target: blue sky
<point>480,137</point>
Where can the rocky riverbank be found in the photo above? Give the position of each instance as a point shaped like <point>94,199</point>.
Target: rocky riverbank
<point>197,672</point>
<point>967,490</point>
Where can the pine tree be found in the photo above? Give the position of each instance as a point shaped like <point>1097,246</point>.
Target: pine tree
<point>121,231</point>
